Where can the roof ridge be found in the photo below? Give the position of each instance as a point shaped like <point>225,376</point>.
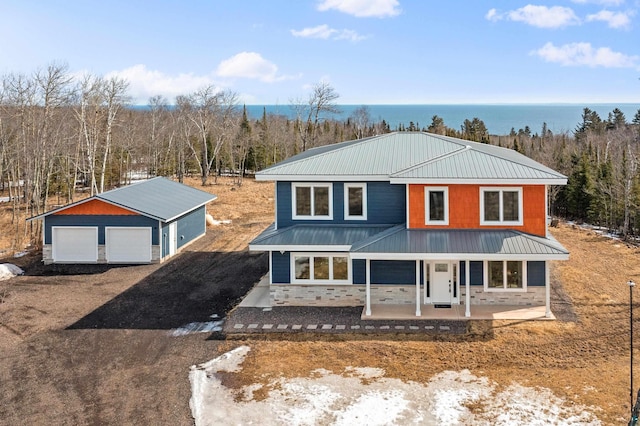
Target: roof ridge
<point>375,238</point>
<point>432,160</point>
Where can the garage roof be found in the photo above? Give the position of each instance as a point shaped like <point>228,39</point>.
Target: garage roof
<point>158,198</point>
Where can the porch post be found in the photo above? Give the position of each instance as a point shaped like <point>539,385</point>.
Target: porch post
<point>418,313</point>
<point>547,289</point>
<point>367,273</point>
<point>467,293</point>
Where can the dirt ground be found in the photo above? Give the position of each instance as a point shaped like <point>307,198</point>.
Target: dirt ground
<point>93,344</point>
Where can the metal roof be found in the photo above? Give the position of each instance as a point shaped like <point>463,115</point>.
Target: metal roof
<point>158,198</point>
<point>466,243</point>
<point>300,237</point>
<point>396,241</point>
<point>412,156</point>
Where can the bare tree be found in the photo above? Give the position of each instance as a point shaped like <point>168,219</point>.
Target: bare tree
<point>309,114</point>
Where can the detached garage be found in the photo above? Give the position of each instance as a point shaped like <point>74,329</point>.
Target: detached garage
<point>145,222</point>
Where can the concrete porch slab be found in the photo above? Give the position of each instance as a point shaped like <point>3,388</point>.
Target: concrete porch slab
<point>456,312</point>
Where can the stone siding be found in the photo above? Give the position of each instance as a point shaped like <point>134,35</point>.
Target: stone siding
<point>534,296</point>
<point>354,295</point>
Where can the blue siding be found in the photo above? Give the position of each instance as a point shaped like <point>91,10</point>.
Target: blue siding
<point>280,267</point>
<point>393,272</point>
<point>191,226</point>
<point>476,273</point>
<point>385,204</point>
<point>535,274</point>
<point>359,271</point>
<point>100,221</point>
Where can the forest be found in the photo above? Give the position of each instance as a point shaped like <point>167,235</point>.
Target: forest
<point>63,137</point>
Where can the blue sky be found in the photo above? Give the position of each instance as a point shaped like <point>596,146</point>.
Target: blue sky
<point>370,51</point>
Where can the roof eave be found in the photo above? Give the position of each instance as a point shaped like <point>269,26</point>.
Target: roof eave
<point>441,181</point>
<point>321,178</point>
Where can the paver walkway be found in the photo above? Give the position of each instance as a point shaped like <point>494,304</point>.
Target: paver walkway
<point>304,319</point>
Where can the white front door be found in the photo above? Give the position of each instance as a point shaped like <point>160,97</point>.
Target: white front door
<point>441,285</point>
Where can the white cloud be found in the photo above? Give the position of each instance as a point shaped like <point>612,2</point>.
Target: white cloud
<point>613,19</point>
<point>144,83</point>
<point>583,54</point>
<point>537,16</point>
<point>362,8</point>
<point>600,2</point>
<point>326,33</point>
<point>250,65</point>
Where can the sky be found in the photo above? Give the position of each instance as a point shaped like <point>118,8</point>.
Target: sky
<point>369,51</point>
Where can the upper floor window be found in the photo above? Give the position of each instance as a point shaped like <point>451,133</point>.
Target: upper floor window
<point>436,205</point>
<point>355,201</point>
<point>500,206</point>
<point>312,201</point>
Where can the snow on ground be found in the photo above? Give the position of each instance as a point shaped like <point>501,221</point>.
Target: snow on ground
<point>363,396</point>
<point>9,270</point>
<point>200,327</point>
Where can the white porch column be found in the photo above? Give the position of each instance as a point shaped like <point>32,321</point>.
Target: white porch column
<point>418,313</point>
<point>547,288</point>
<point>467,294</point>
<point>367,273</point>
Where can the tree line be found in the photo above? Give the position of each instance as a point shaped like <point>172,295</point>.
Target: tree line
<point>62,135</point>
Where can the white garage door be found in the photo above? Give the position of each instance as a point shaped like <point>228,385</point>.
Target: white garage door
<point>74,244</point>
<point>128,245</point>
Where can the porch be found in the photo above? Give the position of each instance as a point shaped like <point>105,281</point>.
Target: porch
<point>457,312</point>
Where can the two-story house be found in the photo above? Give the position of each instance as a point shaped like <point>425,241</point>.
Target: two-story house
<point>410,218</point>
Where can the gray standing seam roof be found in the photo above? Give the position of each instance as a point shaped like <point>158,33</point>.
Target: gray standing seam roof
<point>316,235</point>
<point>159,198</point>
<point>460,241</point>
<point>414,156</point>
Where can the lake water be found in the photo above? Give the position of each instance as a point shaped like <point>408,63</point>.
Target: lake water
<point>499,119</point>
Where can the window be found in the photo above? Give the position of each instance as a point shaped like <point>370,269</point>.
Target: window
<point>505,275</point>
<point>501,206</point>
<point>436,205</point>
<point>312,201</point>
<point>320,268</point>
<point>355,201</point>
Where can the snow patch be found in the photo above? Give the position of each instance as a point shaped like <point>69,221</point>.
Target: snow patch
<point>9,270</point>
<point>333,399</point>
<point>198,327</point>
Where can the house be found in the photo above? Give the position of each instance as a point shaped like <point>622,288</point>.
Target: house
<point>145,222</point>
<point>410,218</point>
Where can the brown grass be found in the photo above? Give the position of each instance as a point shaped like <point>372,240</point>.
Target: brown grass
<point>586,362</point>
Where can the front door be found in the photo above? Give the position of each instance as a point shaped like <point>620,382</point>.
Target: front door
<point>441,283</point>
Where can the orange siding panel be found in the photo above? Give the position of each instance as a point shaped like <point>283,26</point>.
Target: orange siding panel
<point>96,207</point>
<point>464,208</point>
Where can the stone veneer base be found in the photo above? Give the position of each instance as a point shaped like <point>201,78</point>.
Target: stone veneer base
<point>354,295</point>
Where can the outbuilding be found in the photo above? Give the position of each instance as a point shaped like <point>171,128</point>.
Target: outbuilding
<point>145,222</point>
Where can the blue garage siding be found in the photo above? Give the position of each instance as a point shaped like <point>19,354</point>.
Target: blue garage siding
<point>536,274</point>
<point>385,204</point>
<point>476,273</point>
<point>100,221</point>
<point>393,272</point>
<point>191,226</point>
<point>280,267</point>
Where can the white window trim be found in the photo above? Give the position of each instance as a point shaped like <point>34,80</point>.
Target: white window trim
<point>295,216</point>
<point>427,190</point>
<point>312,255</point>
<point>502,189</point>
<point>504,278</point>
<point>347,216</point>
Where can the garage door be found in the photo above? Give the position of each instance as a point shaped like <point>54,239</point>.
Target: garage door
<point>128,245</point>
<point>74,244</point>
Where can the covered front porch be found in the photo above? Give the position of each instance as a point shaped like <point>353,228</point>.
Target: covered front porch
<point>457,312</point>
